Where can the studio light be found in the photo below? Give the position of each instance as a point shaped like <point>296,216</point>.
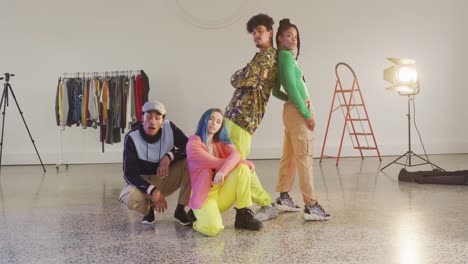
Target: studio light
<point>403,76</point>
<point>404,79</point>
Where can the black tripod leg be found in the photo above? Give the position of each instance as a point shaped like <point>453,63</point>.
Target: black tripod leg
<point>428,162</point>
<point>4,98</point>
<point>395,160</point>
<point>26,125</point>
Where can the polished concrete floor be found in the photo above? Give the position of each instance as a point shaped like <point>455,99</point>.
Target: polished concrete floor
<point>73,216</point>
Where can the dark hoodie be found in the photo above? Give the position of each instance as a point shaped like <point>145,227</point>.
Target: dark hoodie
<point>134,166</point>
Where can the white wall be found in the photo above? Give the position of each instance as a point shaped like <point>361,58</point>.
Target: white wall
<point>189,52</point>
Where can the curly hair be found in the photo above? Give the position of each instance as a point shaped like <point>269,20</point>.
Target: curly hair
<point>284,25</point>
<point>260,19</point>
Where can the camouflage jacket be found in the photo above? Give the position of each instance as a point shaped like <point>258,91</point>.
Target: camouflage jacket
<point>253,85</point>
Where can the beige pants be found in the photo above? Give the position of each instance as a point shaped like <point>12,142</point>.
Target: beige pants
<point>298,150</point>
<point>179,177</point>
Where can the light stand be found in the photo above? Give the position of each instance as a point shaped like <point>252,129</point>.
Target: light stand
<point>4,102</point>
<point>408,154</point>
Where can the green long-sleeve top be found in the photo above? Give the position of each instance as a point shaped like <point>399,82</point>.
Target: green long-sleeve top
<point>290,77</point>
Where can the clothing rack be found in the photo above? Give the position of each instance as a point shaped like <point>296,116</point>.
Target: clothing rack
<point>97,74</point>
<point>91,75</point>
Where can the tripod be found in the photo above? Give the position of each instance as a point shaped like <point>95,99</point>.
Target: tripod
<point>408,154</point>
<point>6,89</point>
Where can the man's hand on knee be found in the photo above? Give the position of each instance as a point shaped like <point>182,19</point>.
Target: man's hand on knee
<point>160,203</point>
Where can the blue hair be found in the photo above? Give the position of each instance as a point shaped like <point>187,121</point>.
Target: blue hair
<point>202,130</point>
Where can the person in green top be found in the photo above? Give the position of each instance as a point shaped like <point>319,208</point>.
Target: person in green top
<point>299,122</point>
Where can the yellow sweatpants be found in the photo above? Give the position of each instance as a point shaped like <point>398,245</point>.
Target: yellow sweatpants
<point>222,197</point>
<point>242,140</point>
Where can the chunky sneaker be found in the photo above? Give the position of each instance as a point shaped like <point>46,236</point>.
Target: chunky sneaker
<point>191,216</point>
<point>266,213</point>
<point>246,220</point>
<point>315,213</point>
<point>149,219</point>
<point>286,204</point>
<point>182,216</point>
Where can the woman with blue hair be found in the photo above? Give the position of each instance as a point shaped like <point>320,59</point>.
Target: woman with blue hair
<point>219,177</point>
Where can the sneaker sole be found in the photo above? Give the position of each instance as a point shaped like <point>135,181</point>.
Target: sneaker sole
<point>283,208</point>
<point>148,223</point>
<point>309,217</point>
<point>266,219</point>
<point>185,224</point>
<point>251,229</point>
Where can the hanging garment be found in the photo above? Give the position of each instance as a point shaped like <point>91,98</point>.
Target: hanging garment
<point>146,86</point>
<point>93,103</point>
<point>112,103</point>
<point>139,89</point>
<point>130,96</point>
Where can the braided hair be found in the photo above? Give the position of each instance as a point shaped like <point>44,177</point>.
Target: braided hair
<point>284,25</point>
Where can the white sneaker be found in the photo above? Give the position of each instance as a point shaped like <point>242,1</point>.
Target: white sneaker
<point>266,213</point>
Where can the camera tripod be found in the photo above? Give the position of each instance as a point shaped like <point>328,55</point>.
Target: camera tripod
<point>7,89</point>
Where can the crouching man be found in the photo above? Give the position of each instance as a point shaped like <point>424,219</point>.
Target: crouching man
<point>155,165</point>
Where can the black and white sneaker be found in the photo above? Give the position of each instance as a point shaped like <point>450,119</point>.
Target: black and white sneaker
<point>192,216</point>
<point>315,213</point>
<point>286,204</point>
<point>149,219</point>
<point>182,216</point>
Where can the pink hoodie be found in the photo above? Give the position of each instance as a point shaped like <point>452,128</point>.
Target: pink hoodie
<point>201,162</point>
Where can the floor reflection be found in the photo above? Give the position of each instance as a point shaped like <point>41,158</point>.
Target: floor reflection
<point>74,216</point>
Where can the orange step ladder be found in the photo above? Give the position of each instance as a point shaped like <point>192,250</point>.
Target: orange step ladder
<point>350,101</point>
